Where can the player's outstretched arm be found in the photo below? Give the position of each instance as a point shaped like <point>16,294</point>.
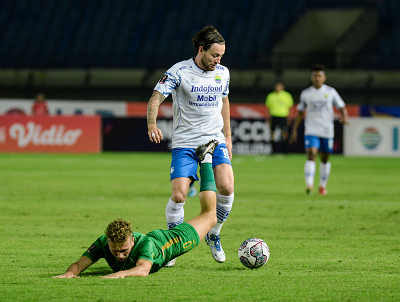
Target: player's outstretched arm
<point>142,269</point>
<point>154,133</point>
<point>76,268</point>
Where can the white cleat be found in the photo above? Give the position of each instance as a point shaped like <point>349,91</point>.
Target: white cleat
<point>171,263</point>
<point>214,243</point>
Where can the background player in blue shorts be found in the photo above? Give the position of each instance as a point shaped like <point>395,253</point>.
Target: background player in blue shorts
<point>199,88</point>
<point>318,100</point>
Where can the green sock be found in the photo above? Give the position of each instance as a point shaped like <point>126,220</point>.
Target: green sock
<point>207,182</point>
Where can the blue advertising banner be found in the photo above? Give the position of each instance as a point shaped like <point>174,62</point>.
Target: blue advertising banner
<point>380,111</point>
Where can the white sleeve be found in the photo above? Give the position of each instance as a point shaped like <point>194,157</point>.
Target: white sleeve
<point>337,100</point>
<point>226,91</point>
<point>302,104</point>
<point>168,82</point>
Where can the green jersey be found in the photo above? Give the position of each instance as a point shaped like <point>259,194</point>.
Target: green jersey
<point>158,247</point>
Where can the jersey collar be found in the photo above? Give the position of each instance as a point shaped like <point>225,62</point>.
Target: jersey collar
<point>198,67</point>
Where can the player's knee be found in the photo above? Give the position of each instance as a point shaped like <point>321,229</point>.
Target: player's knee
<point>311,155</point>
<point>225,189</point>
<point>178,196</point>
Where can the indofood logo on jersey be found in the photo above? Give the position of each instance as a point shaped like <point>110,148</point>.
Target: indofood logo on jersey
<point>206,89</point>
<point>370,138</point>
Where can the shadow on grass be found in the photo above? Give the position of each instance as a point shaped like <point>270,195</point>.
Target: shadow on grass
<point>104,271</point>
<point>97,271</point>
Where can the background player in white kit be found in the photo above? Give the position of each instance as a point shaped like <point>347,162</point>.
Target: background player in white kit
<point>319,100</point>
<point>199,88</point>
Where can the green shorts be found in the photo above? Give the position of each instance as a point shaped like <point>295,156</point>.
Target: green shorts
<point>176,241</point>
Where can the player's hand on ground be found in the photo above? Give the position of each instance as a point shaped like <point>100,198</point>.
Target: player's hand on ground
<point>116,275</point>
<point>155,134</point>
<point>67,275</point>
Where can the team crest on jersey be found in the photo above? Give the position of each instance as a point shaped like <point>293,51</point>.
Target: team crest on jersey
<point>217,79</point>
<point>325,95</point>
<point>163,79</point>
<point>193,80</point>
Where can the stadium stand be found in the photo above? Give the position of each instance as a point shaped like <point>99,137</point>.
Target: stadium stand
<point>93,36</point>
<point>150,34</point>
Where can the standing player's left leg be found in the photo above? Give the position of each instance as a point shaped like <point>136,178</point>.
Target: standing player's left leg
<point>325,165</point>
<point>224,179</point>
<point>207,217</point>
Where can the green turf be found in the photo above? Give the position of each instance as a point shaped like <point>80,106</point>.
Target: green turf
<point>341,247</point>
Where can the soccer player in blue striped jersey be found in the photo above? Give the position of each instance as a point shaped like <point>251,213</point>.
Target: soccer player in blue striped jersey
<point>199,87</point>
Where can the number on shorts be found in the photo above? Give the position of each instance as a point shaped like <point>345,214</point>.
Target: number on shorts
<point>226,153</point>
<point>189,245</point>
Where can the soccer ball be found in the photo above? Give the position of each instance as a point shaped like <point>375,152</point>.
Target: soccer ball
<point>253,253</point>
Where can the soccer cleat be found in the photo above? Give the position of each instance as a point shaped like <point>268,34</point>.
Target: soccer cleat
<point>309,190</point>
<point>202,150</point>
<point>214,243</point>
<point>192,191</point>
<point>323,191</point>
<point>171,263</point>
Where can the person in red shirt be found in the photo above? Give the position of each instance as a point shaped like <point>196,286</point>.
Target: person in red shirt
<point>40,106</point>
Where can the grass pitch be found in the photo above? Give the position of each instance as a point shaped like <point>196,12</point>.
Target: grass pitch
<point>341,247</point>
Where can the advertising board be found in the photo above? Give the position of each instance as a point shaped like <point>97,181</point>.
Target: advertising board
<point>50,134</point>
<point>372,137</point>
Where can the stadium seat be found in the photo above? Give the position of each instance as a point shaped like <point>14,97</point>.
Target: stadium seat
<point>144,34</point>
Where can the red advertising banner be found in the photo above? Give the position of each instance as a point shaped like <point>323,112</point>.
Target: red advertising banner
<point>139,109</point>
<point>50,134</point>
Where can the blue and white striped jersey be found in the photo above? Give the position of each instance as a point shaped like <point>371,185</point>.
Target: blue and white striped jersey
<point>197,102</point>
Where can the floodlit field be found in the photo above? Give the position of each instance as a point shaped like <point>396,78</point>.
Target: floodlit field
<point>341,247</point>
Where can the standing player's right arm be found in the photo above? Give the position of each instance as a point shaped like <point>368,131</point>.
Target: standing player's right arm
<point>343,119</point>
<point>154,133</point>
<point>226,116</point>
<point>298,119</point>
<point>76,268</point>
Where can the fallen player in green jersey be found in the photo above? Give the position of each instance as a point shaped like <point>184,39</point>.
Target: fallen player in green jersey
<point>135,254</point>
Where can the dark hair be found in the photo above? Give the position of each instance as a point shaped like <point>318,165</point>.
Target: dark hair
<point>318,67</point>
<point>206,37</point>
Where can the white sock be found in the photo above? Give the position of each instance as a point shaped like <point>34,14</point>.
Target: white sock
<point>309,172</point>
<point>207,158</point>
<point>224,206</point>
<point>324,171</point>
<point>174,213</point>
